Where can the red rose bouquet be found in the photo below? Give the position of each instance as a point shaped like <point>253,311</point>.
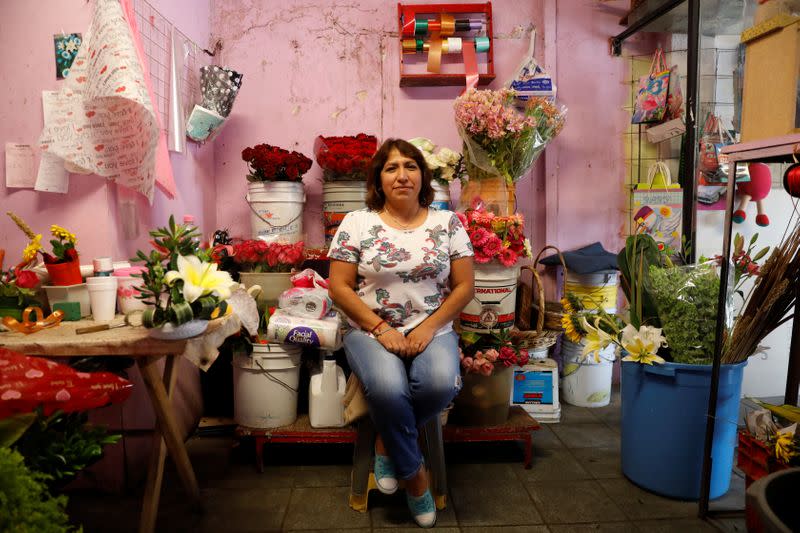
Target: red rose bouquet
<point>496,237</point>
<point>255,255</point>
<point>345,158</point>
<point>270,163</point>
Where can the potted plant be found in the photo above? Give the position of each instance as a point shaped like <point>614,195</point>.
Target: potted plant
<point>17,286</point>
<point>487,362</point>
<point>445,165</point>
<point>501,142</point>
<point>181,283</point>
<point>63,264</point>
<point>499,243</point>
<point>266,264</point>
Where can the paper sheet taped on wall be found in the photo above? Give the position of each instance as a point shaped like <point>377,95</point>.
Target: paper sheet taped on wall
<point>20,163</point>
<point>103,121</point>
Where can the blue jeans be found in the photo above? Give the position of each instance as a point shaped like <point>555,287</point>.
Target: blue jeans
<point>404,393</point>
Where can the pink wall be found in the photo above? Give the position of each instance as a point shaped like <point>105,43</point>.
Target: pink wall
<point>313,67</point>
<point>89,209</point>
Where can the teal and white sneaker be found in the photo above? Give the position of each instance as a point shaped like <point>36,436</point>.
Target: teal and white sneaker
<point>423,509</point>
<point>385,477</point>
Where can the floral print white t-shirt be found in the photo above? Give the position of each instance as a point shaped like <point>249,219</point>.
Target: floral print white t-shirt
<point>403,275</point>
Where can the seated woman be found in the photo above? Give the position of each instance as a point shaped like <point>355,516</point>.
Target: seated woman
<point>401,272</point>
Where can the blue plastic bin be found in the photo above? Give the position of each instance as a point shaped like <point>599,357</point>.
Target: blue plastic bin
<point>664,425</point>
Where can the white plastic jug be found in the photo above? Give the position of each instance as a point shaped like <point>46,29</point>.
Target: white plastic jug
<point>325,395</point>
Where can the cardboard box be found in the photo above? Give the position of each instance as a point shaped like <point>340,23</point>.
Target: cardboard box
<point>771,96</point>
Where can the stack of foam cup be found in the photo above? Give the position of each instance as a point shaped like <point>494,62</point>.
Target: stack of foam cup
<point>103,297</point>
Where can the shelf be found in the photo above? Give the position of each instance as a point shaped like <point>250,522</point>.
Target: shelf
<point>773,150</point>
<point>440,80</point>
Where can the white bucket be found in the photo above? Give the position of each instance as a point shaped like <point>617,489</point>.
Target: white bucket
<point>265,386</point>
<point>492,307</point>
<point>338,199</point>
<point>586,383</point>
<point>276,210</point>
<point>596,289</point>
<point>441,195</point>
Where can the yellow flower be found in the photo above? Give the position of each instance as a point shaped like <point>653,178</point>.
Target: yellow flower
<point>200,278</point>
<point>567,306</point>
<point>569,329</point>
<point>665,211</point>
<point>785,448</point>
<point>30,251</point>
<point>642,344</point>
<point>63,234</point>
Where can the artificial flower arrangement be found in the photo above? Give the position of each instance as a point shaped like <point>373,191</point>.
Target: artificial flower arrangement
<point>444,163</point>
<point>487,353</point>
<point>345,158</point>
<point>495,237</point>
<point>499,138</point>
<point>270,163</point>
<point>62,264</point>
<point>181,283</point>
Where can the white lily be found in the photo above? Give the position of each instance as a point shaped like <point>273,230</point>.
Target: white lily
<point>448,156</point>
<point>642,344</point>
<point>596,339</point>
<point>200,278</point>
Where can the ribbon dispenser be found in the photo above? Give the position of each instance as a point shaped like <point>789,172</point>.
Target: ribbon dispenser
<point>445,44</point>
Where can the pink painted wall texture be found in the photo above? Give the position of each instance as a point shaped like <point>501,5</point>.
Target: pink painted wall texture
<point>331,68</point>
<point>90,208</point>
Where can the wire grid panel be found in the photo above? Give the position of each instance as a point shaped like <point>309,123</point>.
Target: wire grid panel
<point>155,31</point>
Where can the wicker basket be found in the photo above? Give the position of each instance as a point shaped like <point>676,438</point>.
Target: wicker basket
<point>539,337</point>
<point>553,311</point>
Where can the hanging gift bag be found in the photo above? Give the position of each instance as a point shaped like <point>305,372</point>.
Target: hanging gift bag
<point>651,101</point>
<point>712,163</point>
<point>658,207</point>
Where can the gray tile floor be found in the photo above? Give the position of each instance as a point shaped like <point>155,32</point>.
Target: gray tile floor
<point>575,486</point>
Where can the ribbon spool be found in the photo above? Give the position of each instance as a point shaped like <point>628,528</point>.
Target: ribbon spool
<point>791,178</point>
<point>451,45</point>
<point>30,326</point>
<point>445,24</point>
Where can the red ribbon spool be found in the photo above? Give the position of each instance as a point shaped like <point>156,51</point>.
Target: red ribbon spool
<point>791,180</point>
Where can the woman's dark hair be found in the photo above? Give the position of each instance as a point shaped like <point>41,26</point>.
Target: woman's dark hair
<point>375,196</point>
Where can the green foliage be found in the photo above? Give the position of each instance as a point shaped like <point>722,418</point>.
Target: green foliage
<point>25,503</point>
<point>686,299</point>
<point>61,445</point>
<point>635,262</point>
<point>23,295</point>
<point>12,427</point>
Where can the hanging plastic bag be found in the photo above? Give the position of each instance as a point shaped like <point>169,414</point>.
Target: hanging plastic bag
<point>651,102</point>
<point>530,79</point>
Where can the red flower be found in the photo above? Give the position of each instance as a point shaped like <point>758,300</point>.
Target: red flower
<point>270,163</point>
<point>345,155</point>
<point>26,279</point>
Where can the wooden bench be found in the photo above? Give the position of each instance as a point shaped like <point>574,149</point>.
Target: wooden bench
<point>518,427</point>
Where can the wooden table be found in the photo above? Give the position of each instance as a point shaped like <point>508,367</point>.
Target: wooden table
<point>134,342</point>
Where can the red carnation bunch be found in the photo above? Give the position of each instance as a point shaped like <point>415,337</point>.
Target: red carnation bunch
<point>501,354</point>
<point>270,163</point>
<point>495,237</point>
<point>345,158</point>
<point>256,255</point>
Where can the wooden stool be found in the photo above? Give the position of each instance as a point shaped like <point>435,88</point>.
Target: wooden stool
<point>362,479</point>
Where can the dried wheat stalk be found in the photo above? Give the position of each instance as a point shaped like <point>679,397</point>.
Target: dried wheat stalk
<point>770,303</point>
